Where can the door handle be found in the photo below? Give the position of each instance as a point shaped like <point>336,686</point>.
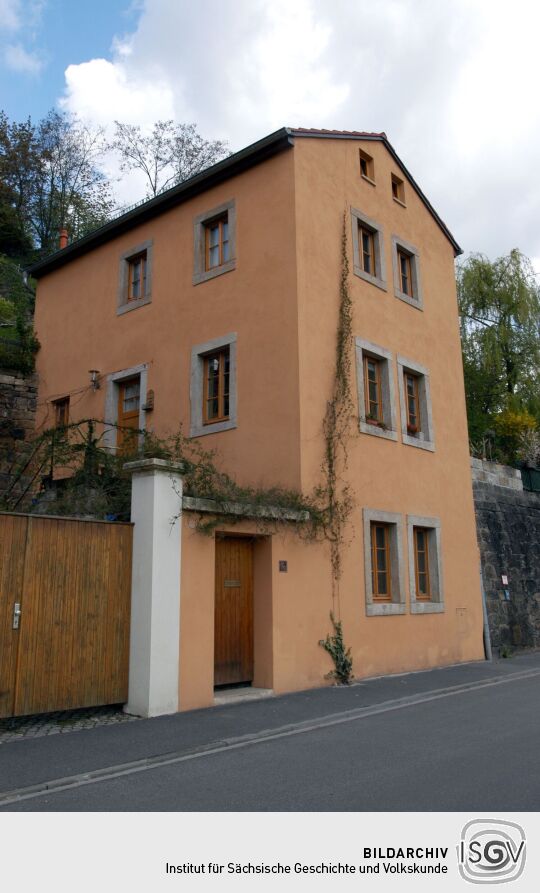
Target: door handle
<point>16,615</point>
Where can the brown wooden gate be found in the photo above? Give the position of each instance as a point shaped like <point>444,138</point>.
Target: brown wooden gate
<point>233,644</point>
<point>69,645</point>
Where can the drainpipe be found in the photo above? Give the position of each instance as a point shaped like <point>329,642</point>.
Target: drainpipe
<point>487,638</point>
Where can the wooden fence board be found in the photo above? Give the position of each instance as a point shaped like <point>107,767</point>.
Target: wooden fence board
<point>12,547</point>
<point>73,642</point>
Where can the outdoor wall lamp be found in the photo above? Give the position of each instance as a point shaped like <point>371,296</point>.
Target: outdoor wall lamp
<point>94,381</point>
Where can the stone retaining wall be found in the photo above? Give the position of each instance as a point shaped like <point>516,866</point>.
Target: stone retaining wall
<point>508,526</point>
<point>18,396</point>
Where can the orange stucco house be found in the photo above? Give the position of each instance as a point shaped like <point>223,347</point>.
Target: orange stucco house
<point>220,297</point>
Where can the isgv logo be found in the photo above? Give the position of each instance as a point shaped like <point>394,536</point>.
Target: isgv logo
<point>491,851</point>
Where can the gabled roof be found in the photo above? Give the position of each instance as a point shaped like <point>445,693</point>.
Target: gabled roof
<point>382,138</point>
<point>249,157</point>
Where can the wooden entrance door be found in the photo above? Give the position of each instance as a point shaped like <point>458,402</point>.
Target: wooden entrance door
<point>129,398</point>
<point>233,649</point>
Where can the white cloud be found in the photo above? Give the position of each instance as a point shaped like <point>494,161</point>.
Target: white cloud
<point>454,86</point>
<point>102,91</point>
<point>10,15</point>
<point>18,59</point>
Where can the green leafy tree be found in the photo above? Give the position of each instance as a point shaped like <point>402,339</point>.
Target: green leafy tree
<point>499,303</point>
<point>51,178</point>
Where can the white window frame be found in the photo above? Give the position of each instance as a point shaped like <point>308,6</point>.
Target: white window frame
<point>196,393</point>
<point>374,608</point>
<point>425,438</point>
<point>385,358</point>
<point>436,603</point>
<point>417,300</point>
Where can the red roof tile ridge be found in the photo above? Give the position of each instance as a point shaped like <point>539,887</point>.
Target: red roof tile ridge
<point>324,130</point>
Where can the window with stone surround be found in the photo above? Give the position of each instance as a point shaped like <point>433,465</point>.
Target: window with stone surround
<point>383,563</point>
<point>425,565</point>
<point>415,404</point>
<point>135,284</point>
<point>213,386</point>
<point>406,268</point>
<point>368,249</point>
<point>214,240</point>
<point>375,382</point>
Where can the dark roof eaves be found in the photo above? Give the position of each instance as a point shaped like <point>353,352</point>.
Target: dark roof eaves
<point>248,157</point>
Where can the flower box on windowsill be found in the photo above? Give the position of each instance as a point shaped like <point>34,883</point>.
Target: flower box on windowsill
<point>412,430</point>
<point>376,422</point>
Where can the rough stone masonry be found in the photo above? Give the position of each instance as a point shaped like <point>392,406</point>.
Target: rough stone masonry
<point>508,526</point>
<point>18,395</point>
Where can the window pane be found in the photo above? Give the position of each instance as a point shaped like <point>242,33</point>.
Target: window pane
<point>383,584</point>
<point>380,537</point>
<point>213,235</point>
<point>381,559</point>
<point>213,256</point>
<point>421,539</point>
<point>423,583</point>
<point>225,231</point>
<point>213,408</point>
<point>421,559</point>
<point>225,251</point>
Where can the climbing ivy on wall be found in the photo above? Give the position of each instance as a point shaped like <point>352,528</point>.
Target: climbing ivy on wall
<point>98,485</point>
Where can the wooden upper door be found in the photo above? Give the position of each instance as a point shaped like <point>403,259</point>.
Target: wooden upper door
<point>129,399</point>
<point>233,649</point>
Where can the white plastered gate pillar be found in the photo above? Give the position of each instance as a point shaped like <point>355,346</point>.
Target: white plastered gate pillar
<point>154,658</point>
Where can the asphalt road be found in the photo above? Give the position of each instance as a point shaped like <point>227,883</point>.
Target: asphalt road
<point>472,750</point>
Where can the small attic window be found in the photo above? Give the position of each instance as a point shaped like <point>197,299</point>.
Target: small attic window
<point>367,168</point>
<point>398,189</point>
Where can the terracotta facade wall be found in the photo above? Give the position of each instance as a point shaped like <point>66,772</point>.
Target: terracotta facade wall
<point>282,301</point>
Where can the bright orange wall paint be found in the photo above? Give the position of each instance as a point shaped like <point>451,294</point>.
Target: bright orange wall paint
<point>282,300</point>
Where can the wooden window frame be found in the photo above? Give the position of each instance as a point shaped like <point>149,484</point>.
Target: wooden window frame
<point>208,227</point>
<point>364,231</point>
<point>403,256</point>
<point>60,406</point>
<point>122,435</point>
<point>202,224</point>
<point>432,601</point>
<point>385,425</point>
<point>127,301</point>
<point>362,224</point>
<point>367,168</point>
<point>404,252</point>
<point>61,417</point>
<point>421,434</point>
<point>422,597</point>
<point>398,189</point>
<point>412,428</point>
<point>387,596</point>
<point>221,355</point>
<point>393,602</point>
<point>132,262</point>
<point>372,419</point>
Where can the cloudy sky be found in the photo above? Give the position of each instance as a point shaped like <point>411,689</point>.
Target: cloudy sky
<point>454,84</point>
